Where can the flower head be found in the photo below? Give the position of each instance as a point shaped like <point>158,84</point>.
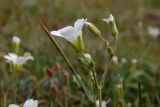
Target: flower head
<point>13,105</point>
<point>17,61</point>
<point>115,59</point>
<point>16,40</point>
<point>154,31</point>
<point>110,19</point>
<point>28,103</point>
<point>31,103</point>
<point>134,61</point>
<point>73,34</point>
<point>15,44</point>
<point>104,103</point>
<point>112,25</point>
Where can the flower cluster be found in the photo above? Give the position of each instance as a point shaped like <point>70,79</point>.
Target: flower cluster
<point>16,61</point>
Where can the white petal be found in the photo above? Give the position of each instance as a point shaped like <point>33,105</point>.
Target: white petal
<point>11,57</point>
<point>78,25</point>
<point>66,32</point>
<point>13,105</point>
<point>31,103</point>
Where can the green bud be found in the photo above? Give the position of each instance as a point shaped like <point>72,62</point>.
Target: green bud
<point>112,25</point>
<point>15,44</point>
<point>110,51</point>
<point>86,60</point>
<point>93,28</point>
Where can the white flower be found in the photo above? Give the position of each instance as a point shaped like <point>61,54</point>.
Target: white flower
<point>115,59</point>
<point>134,61</point>
<point>112,25</point>
<point>31,103</point>
<point>13,105</point>
<point>72,33</point>
<point>123,60</point>
<point>154,31</point>
<point>17,60</point>
<point>104,103</point>
<point>88,56</point>
<point>28,103</point>
<point>16,40</point>
<point>110,19</point>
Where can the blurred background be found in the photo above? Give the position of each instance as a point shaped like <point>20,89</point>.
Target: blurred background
<point>138,22</point>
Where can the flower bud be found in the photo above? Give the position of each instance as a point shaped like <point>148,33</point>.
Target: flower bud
<point>112,25</point>
<point>86,60</point>
<point>15,44</point>
<point>110,51</point>
<point>93,29</point>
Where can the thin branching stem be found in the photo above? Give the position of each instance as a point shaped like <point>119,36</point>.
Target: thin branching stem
<point>108,64</point>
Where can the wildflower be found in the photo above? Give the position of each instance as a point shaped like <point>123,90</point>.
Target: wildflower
<point>13,105</point>
<point>115,59</point>
<point>123,60</point>
<point>154,31</point>
<point>17,61</point>
<point>112,25</point>
<point>73,34</point>
<point>28,103</point>
<point>93,29</point>
<point>16,40</point>
<point>104,103</point>
<point>134,61</point>
<point>15,43</point>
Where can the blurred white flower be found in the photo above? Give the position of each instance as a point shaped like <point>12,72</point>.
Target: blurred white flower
<point>154,31</point>
<point>104,103</point>
<point>18,60</point>
<point>123,60</point>
<point>88,56</point>
<point>28,103</point>
<point>115,59</point>
<point>31,103</point>
<point>134,61</point>
<point>72,33</point>
<point>16,40</point>
<point>120,85</point>
<point>13,105</point>
<point>112,25</point>
<point>110,19</point>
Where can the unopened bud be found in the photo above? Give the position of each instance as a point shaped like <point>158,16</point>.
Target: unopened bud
<point>112,25</point>
<point>110,51</point>
<point>49,72</point>
<point>86,60</point>
<point>15,44</point>
<point>93,29</point>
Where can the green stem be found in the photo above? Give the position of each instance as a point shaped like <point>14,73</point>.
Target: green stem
<point>140,94</point>
<point>100,97</point>
<point>64,57</point>
<point>108,65</point>
<point>93,72</point>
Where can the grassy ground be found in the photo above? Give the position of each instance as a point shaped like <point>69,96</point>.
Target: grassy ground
<point>20,17</point>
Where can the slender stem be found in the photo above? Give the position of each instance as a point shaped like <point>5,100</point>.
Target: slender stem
<point>140,94</point>
<point>93,72</point>
<point>100,97</point>
<point>64,57</point>
<point>108,64</point>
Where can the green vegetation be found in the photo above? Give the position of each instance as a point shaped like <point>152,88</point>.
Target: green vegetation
<point>133,77</point>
